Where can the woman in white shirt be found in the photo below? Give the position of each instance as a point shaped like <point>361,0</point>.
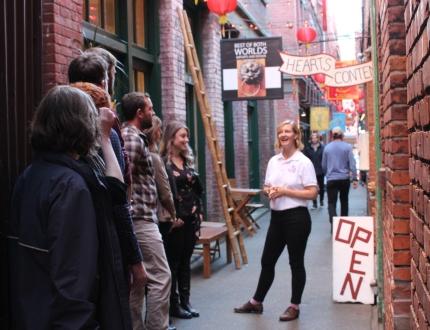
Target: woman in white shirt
<point>290,183</point>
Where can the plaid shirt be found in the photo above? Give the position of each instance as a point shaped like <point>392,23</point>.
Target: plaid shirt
<point>144,191</point>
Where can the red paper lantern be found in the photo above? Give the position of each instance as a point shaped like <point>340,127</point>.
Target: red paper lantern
<point>319,78</point>
<point>221,8</point>
<point>306,34</point>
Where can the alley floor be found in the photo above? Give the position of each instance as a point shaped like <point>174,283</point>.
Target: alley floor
<point>227,288</point>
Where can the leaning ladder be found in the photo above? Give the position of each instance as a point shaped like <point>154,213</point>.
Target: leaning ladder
<point>230,215</point>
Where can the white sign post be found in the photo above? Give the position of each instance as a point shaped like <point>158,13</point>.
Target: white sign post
<point>353,259</point>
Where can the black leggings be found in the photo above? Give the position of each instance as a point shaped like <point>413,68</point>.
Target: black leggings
<point>292,228</point>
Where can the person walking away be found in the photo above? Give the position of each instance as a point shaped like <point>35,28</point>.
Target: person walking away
<point>138,111</point>
<point>179,161</point>
<point>314,152</point>
<point>61,220</point>
<point>290,182</point>
<point>338,164</point>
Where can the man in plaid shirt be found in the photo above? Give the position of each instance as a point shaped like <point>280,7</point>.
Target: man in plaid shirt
<point>137,110</point>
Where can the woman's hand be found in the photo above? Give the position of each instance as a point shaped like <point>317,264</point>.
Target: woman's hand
<point>106,120</point>
<point>276,192</point>
<point>178,222</point>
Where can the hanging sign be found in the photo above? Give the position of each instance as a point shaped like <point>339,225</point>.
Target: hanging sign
<point>353,259</point>
<point>250,69</point>
<point>338,120</point>
<point>326,64</point>
<point>320,118</point>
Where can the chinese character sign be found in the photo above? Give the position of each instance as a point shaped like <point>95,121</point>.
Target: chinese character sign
<point>353,259</point>
<point>320,118</point>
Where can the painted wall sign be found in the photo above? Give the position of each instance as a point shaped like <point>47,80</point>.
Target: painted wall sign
<point>250,69</point>
<point>353,259</point>
<point>320,118</point>
<point>326,64</point>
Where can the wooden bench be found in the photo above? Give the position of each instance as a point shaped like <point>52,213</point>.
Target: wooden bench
<point>212,232</point>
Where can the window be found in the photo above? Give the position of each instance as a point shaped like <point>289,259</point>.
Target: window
<point>139,23</point>
<point>100,13</point>
<point>129,29</point>
<point>139,81</point>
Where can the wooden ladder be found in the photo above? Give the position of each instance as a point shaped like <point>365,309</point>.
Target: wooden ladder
<point>232,219</point>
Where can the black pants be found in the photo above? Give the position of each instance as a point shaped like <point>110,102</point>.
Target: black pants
<point>320,180</point>
<point>292,228</point>
<point>180,244</point>
<point>335,188</point>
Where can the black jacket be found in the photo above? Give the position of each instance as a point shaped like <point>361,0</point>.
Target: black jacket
<point>65,268</point>
<point>316,157</point>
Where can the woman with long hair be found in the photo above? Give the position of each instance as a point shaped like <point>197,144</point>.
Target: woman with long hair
<point>179,161</point>
<point>290,183</point>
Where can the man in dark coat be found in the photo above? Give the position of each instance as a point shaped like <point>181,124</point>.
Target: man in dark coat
<point>314,152</point>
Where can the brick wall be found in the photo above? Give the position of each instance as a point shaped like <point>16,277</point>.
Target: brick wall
<point>210,33</point>
<point>395,158</point>
<point>418,120</point>
<point>172,61</point>
<point>62,39</point>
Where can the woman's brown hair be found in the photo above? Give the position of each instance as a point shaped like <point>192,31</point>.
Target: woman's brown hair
<point>166,144</point>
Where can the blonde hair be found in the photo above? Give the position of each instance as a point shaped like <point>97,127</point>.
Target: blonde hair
<point>296,129</point>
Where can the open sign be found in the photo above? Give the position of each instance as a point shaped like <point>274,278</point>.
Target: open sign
<point>353,259</point>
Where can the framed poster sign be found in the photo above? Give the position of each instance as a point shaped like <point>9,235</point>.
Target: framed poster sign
<point>250,69</point>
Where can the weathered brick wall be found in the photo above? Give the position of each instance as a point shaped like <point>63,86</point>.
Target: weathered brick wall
<point>394,137</point>
<point>266,135</point>
<point>62,39</point>
<point>418,120</point>
<point>210,33</point>
<point>172,61</point>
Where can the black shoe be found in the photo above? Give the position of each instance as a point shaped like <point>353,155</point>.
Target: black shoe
<point>190,310</point>
<point>321,204</point>
<point>179,312</point>
<point>171,326</point>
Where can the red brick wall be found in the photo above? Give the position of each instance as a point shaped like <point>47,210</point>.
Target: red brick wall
<point>172,60</point>
<point>395,157</point>
<point>62,39</point>
<point>418,120</point>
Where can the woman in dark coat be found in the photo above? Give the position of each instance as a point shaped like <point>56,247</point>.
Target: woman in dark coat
<point>65,268</point>
<point>187,191</point>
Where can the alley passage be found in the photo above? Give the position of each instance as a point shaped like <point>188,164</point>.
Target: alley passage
<point>227,288</point>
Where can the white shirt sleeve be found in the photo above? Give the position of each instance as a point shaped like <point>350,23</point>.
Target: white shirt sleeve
<point>308,175</point>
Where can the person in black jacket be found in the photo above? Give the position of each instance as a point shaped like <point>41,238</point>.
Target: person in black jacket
<point>187,192</point>
<point>64,254</point>
<point>314,152</point>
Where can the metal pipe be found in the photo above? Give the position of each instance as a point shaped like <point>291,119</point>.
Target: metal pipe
<point>378,188</point>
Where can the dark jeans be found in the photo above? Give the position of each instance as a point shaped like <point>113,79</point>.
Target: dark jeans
<point>335,188</point>
<point>179,245</point>
<point>292,228</point>
<point>320,180</point>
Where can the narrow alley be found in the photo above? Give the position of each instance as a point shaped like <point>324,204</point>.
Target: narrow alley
<point>227,288</point>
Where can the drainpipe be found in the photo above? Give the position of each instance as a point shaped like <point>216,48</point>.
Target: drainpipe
<point>378,188</point>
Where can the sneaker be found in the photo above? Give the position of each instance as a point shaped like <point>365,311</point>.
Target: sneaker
<point>250,308</point>
<point>321,204</point>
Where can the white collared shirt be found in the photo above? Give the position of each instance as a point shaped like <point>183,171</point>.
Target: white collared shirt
<point>296,172</point>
